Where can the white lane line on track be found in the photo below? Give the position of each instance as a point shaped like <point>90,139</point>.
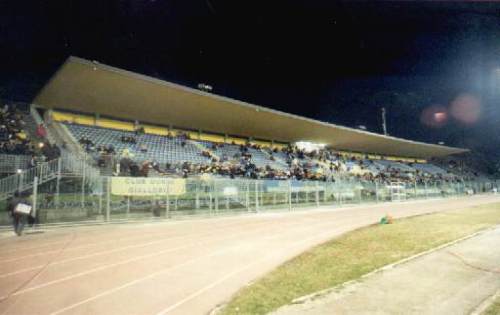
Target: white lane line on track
<point>131,283</point>
<point>215,231</point>
<point>83,273</point>
<point>229,218</point>
<point>7,252</point>
<point>218,229</point>
<point>17,250</point>
<point>128,284</point>
<point>85,257</point>
<point>235,272</point>
<point>250,216</point>
<point>160,272</point>
<point>158,225</point>
<point>96,254</point>
<point>95,244</point>
<point>123,239</point>
<point>90,271</point>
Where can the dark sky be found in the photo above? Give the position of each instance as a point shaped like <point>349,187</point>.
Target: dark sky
<point>333,61</point>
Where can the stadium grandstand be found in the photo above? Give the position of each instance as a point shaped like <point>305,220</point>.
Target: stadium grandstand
<point>101,141</point>
<point>257,158</point>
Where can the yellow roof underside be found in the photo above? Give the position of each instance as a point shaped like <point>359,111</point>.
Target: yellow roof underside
<point>89,87</point>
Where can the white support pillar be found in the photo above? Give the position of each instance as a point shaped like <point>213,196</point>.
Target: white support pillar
<point>247,195</point>
<point>167,202</point>
<point>58,183</point>
<point>256,196</point>
<point>108,199</point>
<point>35,197</point>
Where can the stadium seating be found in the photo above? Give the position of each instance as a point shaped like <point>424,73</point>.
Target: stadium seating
<point>373,167</point>
<point>163,149</point>
<point>159,148</point>
<point>429,168</point>
<point>157,145</point>
<point>228,151</point>
<point>395,165</point>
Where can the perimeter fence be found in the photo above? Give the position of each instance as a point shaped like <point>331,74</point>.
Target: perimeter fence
<point>79,199</point>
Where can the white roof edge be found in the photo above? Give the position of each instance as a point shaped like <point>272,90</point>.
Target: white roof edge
<point>249,105</point>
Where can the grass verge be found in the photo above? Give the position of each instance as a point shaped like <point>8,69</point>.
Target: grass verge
<point>493,309</point>
<point>356,253</point>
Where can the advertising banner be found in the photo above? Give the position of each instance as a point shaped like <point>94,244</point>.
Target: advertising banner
<point>143,186</point>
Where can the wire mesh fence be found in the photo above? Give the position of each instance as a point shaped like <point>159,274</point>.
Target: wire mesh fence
<point>11,163</point>
<point>79,198</point>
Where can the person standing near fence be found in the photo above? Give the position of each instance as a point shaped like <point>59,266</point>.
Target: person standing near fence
<point>19,209</point>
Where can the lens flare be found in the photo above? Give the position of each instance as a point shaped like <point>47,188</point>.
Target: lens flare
<point>466,108</point>
<point>434,116</point>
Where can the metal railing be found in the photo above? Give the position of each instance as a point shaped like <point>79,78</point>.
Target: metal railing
<point>81,165</point>
<point>24,179</point>
<point>68,165</point>
<point>77,199</point>
<point>10,163</point>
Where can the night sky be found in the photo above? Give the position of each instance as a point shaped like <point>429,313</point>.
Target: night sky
<point>333,61</point>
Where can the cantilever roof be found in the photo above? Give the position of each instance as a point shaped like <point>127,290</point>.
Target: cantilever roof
<point>90,87</point>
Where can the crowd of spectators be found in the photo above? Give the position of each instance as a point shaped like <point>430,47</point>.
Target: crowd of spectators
<point>128,139</point>
<point>323,165</point>
<point>49,151</point>
<point>13,138</point>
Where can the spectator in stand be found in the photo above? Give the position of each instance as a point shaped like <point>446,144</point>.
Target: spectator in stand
<point>138,129</point>
<point>125,163</point>
<point>52,152</point>
<point>135,170</point>
<point>156,166</point>
<point>4,133</point>
<point>128,139</point>
<point>32,162</point>
<point>110,149</point>
<point>87,144</point>
<point>145,169</point>
<point>41,132</point>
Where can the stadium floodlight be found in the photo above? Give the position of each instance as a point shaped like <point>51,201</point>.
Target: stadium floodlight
<point>309,146</point>
<point>204,87</point>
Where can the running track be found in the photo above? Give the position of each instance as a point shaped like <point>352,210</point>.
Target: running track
<point>172,267</point>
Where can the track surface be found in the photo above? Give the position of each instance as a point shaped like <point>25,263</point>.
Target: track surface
<point>176,267</point>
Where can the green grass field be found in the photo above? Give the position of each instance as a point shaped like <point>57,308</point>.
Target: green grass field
<point>356,253</point>
<point>493,309</point>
